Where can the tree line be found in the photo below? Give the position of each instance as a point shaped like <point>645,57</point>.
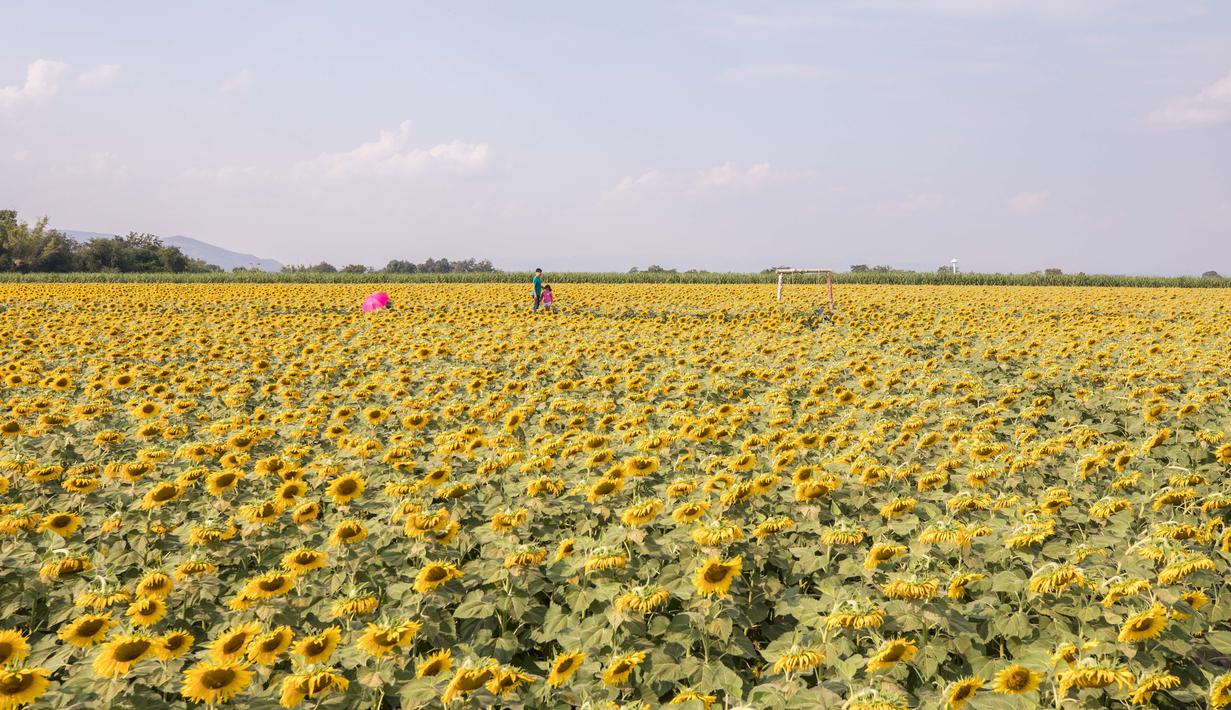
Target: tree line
<point>37,248</point>
<point>401,266</point>
<point>29,248</point>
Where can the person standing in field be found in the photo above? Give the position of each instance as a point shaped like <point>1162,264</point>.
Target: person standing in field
<point>547,299</point>
<point>538,289</point>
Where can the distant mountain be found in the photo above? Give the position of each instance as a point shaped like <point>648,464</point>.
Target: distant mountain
<point>198,249</point>
<point>218,256</point>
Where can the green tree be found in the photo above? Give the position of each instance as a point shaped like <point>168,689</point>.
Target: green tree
<point>400,266</point>
<point>39,248</point>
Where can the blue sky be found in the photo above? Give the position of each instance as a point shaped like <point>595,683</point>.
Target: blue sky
<point>1014,135</point>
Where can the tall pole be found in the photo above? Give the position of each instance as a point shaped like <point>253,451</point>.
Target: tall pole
<point>829,287</point>
<point>780,287</point>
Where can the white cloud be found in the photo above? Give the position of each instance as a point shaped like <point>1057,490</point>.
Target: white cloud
<point>43,78</point>
<point>727,176</point>
<point>1028,202</point>
<point>239,82</point>
<point>914,202</point>
<point>650,180</point>
<point>100,75</point>
<point>772,72</point>
<point>391,155</point>
<point>1209,106</point>
<point>227,174</point>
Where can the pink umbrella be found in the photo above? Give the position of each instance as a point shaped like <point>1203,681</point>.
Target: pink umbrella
<point>375,301</point>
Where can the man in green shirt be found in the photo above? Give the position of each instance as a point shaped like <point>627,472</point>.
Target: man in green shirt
<point>538,289</point>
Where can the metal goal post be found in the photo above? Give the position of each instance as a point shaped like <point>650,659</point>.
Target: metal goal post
<point>828,280</point>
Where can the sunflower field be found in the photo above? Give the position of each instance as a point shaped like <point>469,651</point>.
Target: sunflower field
<point>254,495</point>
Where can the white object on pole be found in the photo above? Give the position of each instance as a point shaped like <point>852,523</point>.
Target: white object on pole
<point>828,281</point>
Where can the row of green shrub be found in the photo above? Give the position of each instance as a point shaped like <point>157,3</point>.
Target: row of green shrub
<point>891,277</point>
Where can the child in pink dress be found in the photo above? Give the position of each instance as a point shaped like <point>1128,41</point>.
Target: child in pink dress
<point>547,299</point>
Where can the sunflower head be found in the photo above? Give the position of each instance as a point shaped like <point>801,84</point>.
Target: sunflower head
<point>265,648</point>
<point>173,645</point>
<point>436,663</point>
<point>120,654</point>
<point>21,686</point>
<point>232,643</point>
<point>84,631</point>
<point>714,576</point>
<point>962,691</point>
<point>434,574</point>
<point>13,646</point>
<point>618,672</point>
<point>565,665</point>
<point>891,653</point>
<point>1016,679</point>
<point>214,683</point>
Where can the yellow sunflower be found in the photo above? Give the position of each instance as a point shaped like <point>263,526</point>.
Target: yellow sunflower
<point>890,654</point>
<point>303,560</point>
<point>714,576</point>
<point>346,488</point>
<point>233,643</point>
<point>962,691</point>
<point>643,599</point>
<point>269,585</point>
<point>434,574</point>
<point>213,683</point>
<point>298,686</point>
<point>621,668</point>
<point>83,632</point>
<point>62,524</point>
<point>855,614</point>
<point>155,584</point>
<point>436,663</point>
<point>265,648</point>
<point>356,604</point>
<point>798,659</point>
<point>306,513</point>
<point>147,611</point>
<point>223,481</point>
<point>318,647</point>
<point>378,640</point>
<point>173,645</point>
<point>1016,679</point>
<point>641,512</point>
<point>505,680</point>
<point>686,695</point>
<point>468,678</point>
<point>1220,691</point>
<point>1144,625</point>
<point>882,552</point>
<point>21,686</point>
<point>13,646</point>
<point>348,532</point>
<point>564,665</point>
<point>1151,684</point>
<point>120,654</point>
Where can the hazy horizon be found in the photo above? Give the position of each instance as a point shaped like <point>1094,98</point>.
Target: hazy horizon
<point>1086,135</point>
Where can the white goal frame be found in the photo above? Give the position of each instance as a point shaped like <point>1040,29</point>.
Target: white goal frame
<point>828,281</point>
